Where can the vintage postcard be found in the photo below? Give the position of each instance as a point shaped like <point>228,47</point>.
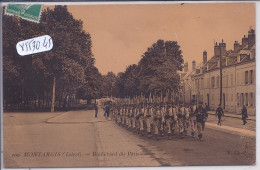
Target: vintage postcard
<point>129,85</point>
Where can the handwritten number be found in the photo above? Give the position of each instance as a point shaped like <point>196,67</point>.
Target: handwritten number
<point>37,45</point>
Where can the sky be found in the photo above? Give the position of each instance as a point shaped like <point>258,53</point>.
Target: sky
<point>122,33</point>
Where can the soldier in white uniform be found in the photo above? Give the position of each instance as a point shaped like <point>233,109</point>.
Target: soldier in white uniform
<point>180,115</point>
<point>157,121</point>
<point>133,117</point>
<point>186,119</point>
<point>175,118</point>
<point>141,119</point>
<point>193,120</point>
<point>162,125</point>
<point>136,118</point>
<point>169,120</point>
<point>148,119</point>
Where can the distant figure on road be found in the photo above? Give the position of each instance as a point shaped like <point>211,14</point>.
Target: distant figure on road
<point>96,110</point>
<point>108,106</point>
<point>219,113</point>
<point>244,114</point>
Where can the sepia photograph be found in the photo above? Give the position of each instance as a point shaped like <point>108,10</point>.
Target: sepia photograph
<point>129,85</point>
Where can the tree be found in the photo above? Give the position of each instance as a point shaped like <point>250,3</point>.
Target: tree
<point>155,73</point>
<point>61,72</point>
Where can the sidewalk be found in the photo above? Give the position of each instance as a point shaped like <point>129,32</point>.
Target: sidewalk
<point>233,115</point>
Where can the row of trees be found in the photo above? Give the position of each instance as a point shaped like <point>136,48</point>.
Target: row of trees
<point>60,77</point>
<point>155,74</point>
<point>64,74</point>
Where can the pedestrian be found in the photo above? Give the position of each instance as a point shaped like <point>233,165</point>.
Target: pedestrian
<point>219,113</point>
<point>244,114</point>
<point>96,110</point>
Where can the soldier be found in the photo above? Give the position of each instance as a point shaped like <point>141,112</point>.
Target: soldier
<point>193,120</point>
<point>127,117</point>
<point>169,120</point>
<point>136,116</point>
<point>186,119</point>
<point>157,121</point>
<point>175,118</point>
<point>123,115</point>
<point>141,119</point>
<point>118,115</point>
<point>200,117</point>
<point>206,109</point>
<point>244,114</point>
<point>162,122</point>
<point>133,117</point>
<point>180,115</point>
<point>148,119</point>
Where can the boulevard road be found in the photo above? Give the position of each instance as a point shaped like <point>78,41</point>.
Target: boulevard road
<point>78,139</point>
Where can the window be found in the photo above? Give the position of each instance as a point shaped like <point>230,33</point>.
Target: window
<point>242,99</point>
<point>246,77</point>
<point>252,101</point>
<point>212,82</point>
<point>212,97</point>
<point>251,77</point>
<point>238,99</point>
<point>217,81</point>
<point>246,100</point>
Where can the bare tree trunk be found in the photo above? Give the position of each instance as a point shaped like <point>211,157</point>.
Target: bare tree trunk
<point>53,95</point>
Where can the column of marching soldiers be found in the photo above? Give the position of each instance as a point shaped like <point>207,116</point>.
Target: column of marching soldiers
<point>158,118</point>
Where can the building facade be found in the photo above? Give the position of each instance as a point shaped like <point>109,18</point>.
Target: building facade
<point>238,77</point>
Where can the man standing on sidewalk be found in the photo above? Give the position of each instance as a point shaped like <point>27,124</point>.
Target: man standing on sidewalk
<point>96,110</point>
<point>219,113</point>
<point>244,114</point>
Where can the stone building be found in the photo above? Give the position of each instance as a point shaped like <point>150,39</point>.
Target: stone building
<point>202,83</point>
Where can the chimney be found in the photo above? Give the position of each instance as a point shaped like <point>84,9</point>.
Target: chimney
<point>186,67</point>
<point>204,57</point>
<point>222,46</point>
<point>216,50</point>
<point>244,41</point>
<point>236,46</point>
<point>251,38</point>
<point>193,65</point>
